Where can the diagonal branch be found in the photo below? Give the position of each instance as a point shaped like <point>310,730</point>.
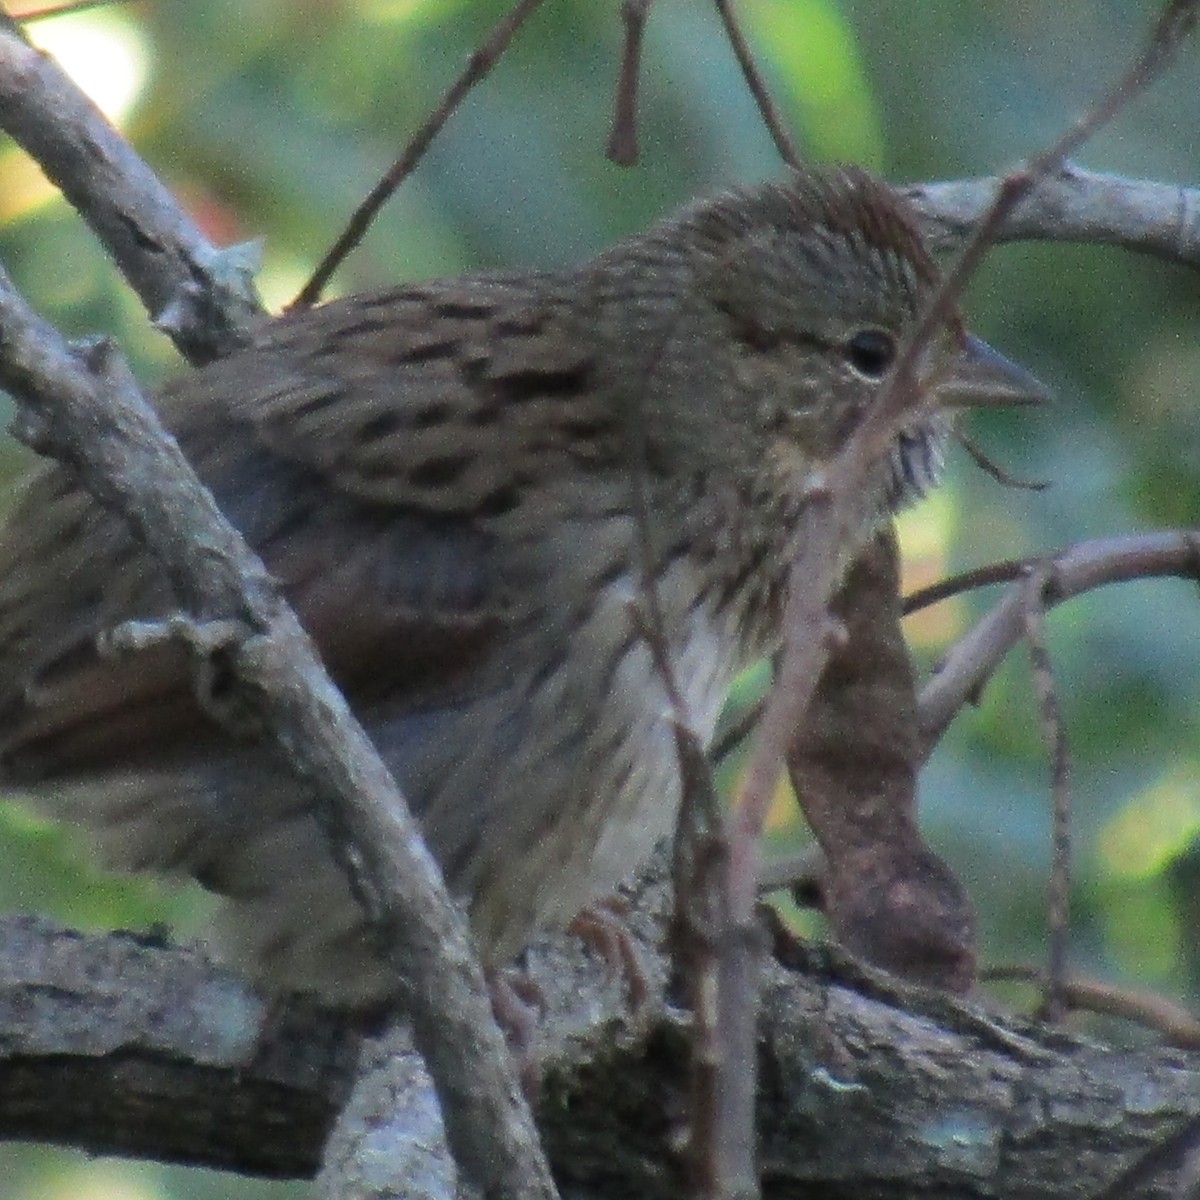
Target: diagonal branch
<point>83,407</point>
<point>767,107</point>
<point>202,297</point>
<point>478,66</point>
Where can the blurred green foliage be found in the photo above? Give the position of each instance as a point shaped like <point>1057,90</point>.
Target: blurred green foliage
<point>273,118</point>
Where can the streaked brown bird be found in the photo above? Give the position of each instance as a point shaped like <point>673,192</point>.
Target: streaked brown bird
<point>444,478</point>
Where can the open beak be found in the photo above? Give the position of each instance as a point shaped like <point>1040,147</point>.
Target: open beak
<point>979,376</point>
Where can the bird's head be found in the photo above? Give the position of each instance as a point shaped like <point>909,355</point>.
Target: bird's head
<point>802,295</point>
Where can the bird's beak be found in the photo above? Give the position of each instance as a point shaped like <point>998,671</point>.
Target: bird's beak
<point>979,376</point>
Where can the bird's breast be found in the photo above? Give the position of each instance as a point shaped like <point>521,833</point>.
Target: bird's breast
<point>638,783</point>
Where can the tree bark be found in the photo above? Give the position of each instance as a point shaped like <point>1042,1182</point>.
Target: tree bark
<point>122,1045</point>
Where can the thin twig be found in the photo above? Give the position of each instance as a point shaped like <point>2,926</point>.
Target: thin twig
<point>995,470</point>
<point>736,732</point>
<point>969,664</point>
<point>1171,1021</point>
<point>966,581</point>
<point>832,512</point>
<point>758,88</point>
<point>623,140</point>
<point>478,65</point>
<point>701,918</point>
<point>1058,917</point>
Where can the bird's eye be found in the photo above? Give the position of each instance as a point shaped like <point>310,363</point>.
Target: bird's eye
<point>870,352</point>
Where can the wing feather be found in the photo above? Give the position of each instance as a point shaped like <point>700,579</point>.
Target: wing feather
<point>371,452</point>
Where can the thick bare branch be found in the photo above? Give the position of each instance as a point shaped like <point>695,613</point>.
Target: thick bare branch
<point>85,409</point>
<point>122,1045</point>
<point>1072,205</point>
<point>202,297</point>
<point>869,1091</point>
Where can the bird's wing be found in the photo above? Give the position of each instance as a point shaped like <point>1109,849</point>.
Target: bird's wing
<point>431,397</point>
<point>370,451</point>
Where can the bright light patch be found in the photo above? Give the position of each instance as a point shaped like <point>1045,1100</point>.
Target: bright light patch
<point>107,56</point>
<point>20,821</point>
<point>926,531</point>
<point>815,49</point>
<point>1143,934</point>
<point>1153,828</point>
<point>102,51</point>
<point>404,11</point>
<point>25,187</point>
<point>784,812</point>
<point>281,278</point>
<point>102,1181</point>
<point>927,527</point>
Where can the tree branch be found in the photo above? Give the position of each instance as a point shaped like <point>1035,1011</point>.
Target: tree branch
<point>202,297</point>
<point>83,408</point>
<point>970,662</point>
<point>1071,205</point>
<point>123,1045</point>
<point>119,1045</point>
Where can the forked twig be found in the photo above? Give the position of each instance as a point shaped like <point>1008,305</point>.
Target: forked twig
<point>202,297</point>
<point>82,405</point>
<point>969,664</point>
<point>478,65</point>
<point>965,669</point>
<point>833,498</point>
